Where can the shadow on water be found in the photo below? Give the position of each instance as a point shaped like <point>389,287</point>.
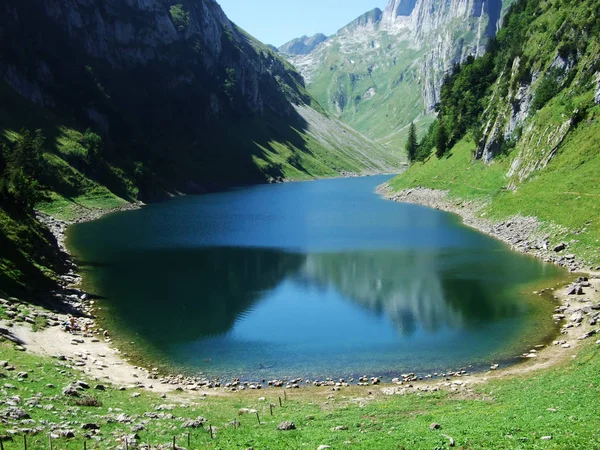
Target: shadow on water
<point>185,295</point>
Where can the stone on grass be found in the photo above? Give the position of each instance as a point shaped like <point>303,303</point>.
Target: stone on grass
<point>435,426</point>
<point>286,426</point>
<point>194,423</point>
<point>70,391</point>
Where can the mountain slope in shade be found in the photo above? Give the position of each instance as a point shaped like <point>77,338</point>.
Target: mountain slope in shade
<point>146,99</point>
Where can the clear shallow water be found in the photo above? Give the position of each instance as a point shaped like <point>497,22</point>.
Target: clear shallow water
<point>312,279</point>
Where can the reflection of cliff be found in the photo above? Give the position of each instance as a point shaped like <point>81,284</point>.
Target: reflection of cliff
<point>419,289</point>
<point>181,295</point>
<point>176,296</point>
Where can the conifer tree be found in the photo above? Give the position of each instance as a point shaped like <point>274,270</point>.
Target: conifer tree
<point>411,143</point>
<point>441,139</point>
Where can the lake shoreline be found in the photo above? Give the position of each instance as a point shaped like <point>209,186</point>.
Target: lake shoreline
<point>128,374</point>
<point>521,233</point>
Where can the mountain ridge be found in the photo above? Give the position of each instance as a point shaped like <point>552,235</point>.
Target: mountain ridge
<point>302,45</point>
<point>390,64</point>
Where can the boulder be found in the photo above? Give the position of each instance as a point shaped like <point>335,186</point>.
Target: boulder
<point>286,426</point>
<point>70,391</point>
<point>194,423</point>
<point>560,247</point>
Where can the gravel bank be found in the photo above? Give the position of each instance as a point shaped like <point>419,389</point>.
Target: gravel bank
<point>521,233</point>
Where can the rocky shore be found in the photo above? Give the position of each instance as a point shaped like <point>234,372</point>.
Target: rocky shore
<point>522,233</point>
<point>578,310</point>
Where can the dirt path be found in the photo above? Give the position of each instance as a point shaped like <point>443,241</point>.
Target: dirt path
<point>89,353</point>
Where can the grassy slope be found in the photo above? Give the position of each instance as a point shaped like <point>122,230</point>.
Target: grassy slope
<point>397,101</point>
<point>517,413</point>
<point>565,194</point>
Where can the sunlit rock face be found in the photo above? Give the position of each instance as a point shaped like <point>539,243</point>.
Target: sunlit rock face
<point>401,54</point>
<point>302,45</point>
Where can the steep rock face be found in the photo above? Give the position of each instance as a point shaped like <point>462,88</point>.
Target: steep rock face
<point>367,20</point>
<point>397,8</point>
<point>302,45</point>
<point>126,35</point>
<point>392,63</point>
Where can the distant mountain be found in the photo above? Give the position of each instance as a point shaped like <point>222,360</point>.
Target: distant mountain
<point>385,69</point>
<point>302,45</point>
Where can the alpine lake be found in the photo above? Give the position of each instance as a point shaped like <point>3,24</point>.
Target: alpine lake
<point>310,280</point>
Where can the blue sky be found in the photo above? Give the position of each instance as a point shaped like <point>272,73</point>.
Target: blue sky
<point>278,21</point>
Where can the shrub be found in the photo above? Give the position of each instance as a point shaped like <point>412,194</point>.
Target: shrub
<point>88,400</point>
<point>547,89</point>
<point>180,17</point>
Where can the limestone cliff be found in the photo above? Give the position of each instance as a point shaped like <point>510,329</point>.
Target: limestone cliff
<point>392,63</point>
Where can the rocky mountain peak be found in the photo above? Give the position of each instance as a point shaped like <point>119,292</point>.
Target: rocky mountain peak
<point>424,16</point>
<point>397,8</point>
<point>302,45</point>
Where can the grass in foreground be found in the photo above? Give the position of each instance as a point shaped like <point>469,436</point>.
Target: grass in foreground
<point>510,413</point>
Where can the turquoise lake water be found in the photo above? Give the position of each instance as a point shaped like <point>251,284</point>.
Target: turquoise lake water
<point>311,279</point>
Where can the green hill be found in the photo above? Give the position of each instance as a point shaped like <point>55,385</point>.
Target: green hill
<point>522,125</point>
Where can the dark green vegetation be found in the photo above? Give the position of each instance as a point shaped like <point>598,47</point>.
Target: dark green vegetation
<point>522,125</point>
<point>411,143</point>
<point>28,255</point>
<point>142,102</point>
<point>518,412</point>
